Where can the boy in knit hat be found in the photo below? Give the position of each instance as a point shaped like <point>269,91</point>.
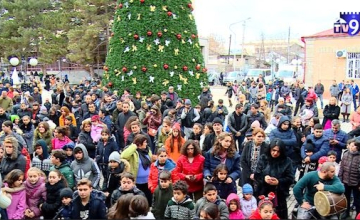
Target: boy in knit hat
<point>248,201</point>
<point>163,193</point>
<point>116,167</point>
<point>64,212</point>
<point>307,167</point>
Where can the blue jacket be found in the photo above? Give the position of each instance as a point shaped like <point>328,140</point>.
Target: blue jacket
<point>233,164</point>
<point>97,208</point>
<point>107,120</point>
<point>321,147</point>
<point>354,89</point>
<point>224,189</point>
<point>103,152</point>
<point>340,136</point>
<point>287,136</point>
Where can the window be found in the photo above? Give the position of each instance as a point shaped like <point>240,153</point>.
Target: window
<point>353,65</point>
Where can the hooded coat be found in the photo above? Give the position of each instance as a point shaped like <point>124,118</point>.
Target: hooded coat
<point>13,161</point>
<point>43,161</point>
<point>71,145</point>
<point>154,173</point>
<point>287,136</point>
<point>66,171</point>
<point>34,194</point>
<point>238,213</point>
<point>97,208</point>
<point>86,167</point>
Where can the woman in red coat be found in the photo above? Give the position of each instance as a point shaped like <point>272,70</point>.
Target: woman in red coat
<point>162,163</point>
<point>190,167</point>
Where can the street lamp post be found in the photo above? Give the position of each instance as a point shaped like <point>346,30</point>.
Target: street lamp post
<point>296,62</point>
<point>243,39</point>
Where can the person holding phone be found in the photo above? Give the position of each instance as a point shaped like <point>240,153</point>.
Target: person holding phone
<point>274,174</point>
<point>189,168</point>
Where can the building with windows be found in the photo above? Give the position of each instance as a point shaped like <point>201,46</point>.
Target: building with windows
<point>331,56</point>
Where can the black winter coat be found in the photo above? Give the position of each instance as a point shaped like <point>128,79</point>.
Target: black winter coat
<point>97,208</point>
<point>279,168</point>
<point>330,112</point>
<point>85,139</point>
<point>53,200</point>
<point>349,172</point>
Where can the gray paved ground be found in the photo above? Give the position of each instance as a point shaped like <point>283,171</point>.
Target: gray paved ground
<point>218,93</point>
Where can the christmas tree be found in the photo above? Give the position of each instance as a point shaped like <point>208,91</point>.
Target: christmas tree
<point>153,45</point>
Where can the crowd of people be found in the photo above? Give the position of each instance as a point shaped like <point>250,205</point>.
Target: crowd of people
<point>91,152</point>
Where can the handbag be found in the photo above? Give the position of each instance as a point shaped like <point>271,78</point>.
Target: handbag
<point>152,132</point>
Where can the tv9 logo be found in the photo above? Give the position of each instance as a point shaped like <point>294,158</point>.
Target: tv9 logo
<point>349,22</point>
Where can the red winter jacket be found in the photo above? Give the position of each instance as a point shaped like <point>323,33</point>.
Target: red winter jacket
<point>153,179</point>
<point>256,215</point>
<point>196,168</point>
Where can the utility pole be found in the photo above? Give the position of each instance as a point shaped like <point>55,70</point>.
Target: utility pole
<point>242,46</point>
<point>228,58</point>
<point>288,47</point>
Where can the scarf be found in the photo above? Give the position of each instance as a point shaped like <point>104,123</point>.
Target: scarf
<point>223,157</point>
<point>145,161</point>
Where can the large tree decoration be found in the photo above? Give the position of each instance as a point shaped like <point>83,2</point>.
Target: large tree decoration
<point>154,44</point>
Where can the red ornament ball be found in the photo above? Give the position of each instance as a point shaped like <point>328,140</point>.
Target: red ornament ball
<point>189,5</point>
<point>178,36</point>
<point>136,36</point>
<point>166,66</point>
<point>159,34</point>
<point>106,68</point>
<point>112,34</point>
<point>110,84</point>
<point>198,67</point>
<point>149,33</point>
<point>120,5</point>
<point>169,13</point>
<point>124,69</point>
<point>142,1</point>
<point>144,69</point>
<point>204,70</point>
<point>185,68</point>
<point>193,36</point>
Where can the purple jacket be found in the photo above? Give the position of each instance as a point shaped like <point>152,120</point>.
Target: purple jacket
<point>17,207</point>
<point>34,193</point>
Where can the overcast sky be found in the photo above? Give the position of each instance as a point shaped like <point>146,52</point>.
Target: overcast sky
<point>273,18</point>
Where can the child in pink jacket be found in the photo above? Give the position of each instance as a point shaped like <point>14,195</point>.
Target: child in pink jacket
<point>233,203</point>
<point>35,191</point>
<point>14,189</point>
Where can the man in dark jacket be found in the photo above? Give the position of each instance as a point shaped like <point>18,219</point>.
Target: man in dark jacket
<point>136,129</point>
<point>337,138</point>
<point>188,118</point>
<point>91,111</point>
<point>320,142</point>
<point>120,123</point>
<point>319,90</point>
<point>300,95</point>
<point>254,115</point>
<point>88,203</point>
<point>238,123</point>
<point>205,97</point>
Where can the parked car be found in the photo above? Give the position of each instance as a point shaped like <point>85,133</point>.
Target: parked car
<point>233,77</point>
<point>266,73</point>
<point>288,76</point>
